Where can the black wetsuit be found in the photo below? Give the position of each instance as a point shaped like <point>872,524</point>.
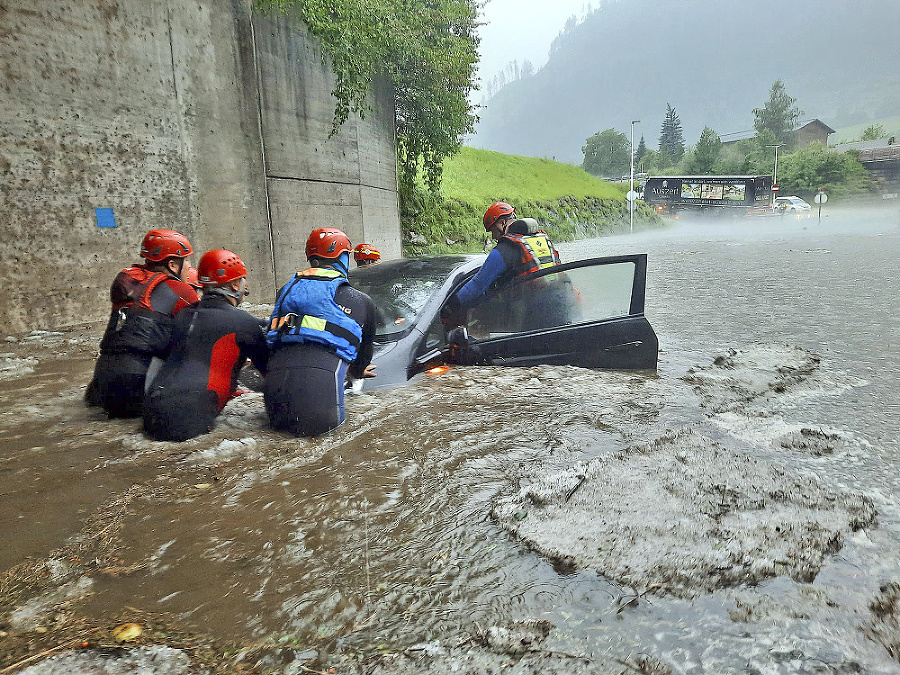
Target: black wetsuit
<point>139,328</point>
<point>211,342</point>
<point>304,388</point>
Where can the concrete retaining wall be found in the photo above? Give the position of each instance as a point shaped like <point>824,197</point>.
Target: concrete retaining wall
<point>188,115</point>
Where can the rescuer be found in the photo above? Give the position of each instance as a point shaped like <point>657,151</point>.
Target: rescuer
<point>145,300</point>
<point>522,247</point>
<point>366,254</point>
<point>190,277</point>
<point>210,344</point>
<point>320,330</point>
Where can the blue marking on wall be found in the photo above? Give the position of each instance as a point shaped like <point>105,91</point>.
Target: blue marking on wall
<point>105,218</point>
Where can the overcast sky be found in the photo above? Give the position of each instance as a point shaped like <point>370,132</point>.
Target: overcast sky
<point>522,30</point>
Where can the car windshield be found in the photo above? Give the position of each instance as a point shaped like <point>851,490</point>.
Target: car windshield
<point>400,289</point>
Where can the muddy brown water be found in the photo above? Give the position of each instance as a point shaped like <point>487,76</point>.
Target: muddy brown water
<point>381,534</point>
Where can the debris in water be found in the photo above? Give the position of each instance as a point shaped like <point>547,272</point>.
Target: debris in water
<point>518,638</point>
<point>127,632</point>
<point>884,626</point>
<point>731,518</point>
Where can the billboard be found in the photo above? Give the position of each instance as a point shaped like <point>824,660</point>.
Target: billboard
<point>734,192</point>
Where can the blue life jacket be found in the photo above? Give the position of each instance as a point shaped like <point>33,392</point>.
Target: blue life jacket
<point>305,312</point>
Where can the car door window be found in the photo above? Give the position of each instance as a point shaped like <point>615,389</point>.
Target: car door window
<point>435,337</point>
<point>575,295</point>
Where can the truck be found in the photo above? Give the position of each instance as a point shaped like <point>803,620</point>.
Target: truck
<point>722,195</point>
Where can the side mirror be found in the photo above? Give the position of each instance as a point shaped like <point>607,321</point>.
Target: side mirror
<point>458,340</point>
<point>458,335</point>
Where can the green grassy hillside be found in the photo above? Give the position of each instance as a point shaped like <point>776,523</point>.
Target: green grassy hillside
<point>478,176</point>
<point>568,202</point>
<point>849,134</point>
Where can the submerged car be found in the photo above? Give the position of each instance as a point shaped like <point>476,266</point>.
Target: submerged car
<point>793,205</point>
<point>587,313</point>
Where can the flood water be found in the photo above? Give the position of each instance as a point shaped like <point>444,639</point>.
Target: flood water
<point>380,533</point>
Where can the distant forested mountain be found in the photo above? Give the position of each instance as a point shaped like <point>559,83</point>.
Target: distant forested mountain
<point>712,60</point>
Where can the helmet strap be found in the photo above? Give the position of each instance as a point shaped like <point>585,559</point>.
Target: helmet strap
<point>179,263</point>
<point>237,295</point>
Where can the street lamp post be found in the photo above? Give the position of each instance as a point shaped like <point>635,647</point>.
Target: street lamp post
<point>775,176</point>
<point>631,194</point>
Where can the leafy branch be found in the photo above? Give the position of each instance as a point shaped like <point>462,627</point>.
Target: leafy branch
<point>428,51</point>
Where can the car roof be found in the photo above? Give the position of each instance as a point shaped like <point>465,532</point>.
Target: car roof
<point>398,266</point>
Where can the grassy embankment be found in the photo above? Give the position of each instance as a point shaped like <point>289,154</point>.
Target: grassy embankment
<point>568,202</point>
<point>891,126</point>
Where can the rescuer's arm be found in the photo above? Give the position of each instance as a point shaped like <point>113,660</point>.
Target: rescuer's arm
<point>259,348</point>
<point>363,310</point>
<point>493,267</point>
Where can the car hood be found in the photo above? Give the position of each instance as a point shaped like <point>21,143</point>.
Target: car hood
<point>382,349</point>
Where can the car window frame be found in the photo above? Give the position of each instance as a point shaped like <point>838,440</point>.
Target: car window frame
<point>638,290</point>
<point>633,343</point>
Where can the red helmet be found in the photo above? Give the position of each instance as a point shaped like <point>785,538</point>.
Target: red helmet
<point>496,211</point>
<point>366,252</point>
<point>328,243</point>
<point>219,266</point>
<point>189,276</point>
<point>161,244</point>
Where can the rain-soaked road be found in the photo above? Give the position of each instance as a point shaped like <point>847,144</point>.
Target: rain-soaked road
<point>382,535</point>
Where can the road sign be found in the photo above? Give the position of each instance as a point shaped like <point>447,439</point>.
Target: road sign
<point>820,199</point>
<point>631,196</point>
<point>774,188</point>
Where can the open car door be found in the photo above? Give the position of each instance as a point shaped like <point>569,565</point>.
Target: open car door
<point>588,313</point>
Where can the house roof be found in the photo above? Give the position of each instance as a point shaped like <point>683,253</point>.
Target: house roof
<point>861,145</point>
<point>742,135</point>
<point>814,123</point>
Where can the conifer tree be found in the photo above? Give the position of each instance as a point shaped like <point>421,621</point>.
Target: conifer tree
<point>671,137</point>
<point>640,151</point>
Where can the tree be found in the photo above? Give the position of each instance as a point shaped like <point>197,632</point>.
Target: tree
<point>813,167</point>
<point>607,154</point>
<point>707,152</point>
<point>732,158</point>
<point>428,49</point>
<point>671,137</point>
<point>779,115</point>
<point>655,163</point>
<point>640,151</point>
<point>759,155</point>
<point>873,132</point>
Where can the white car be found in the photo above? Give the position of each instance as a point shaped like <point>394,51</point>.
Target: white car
<point>793,205</point>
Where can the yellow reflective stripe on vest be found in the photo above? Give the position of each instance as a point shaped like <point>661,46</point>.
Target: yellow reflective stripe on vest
<point>538,246</point>
<point>540,249</point>
<point>320,272</point>
<point>313,323</point>
<point>306,321</point>
<point>292,322</point>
